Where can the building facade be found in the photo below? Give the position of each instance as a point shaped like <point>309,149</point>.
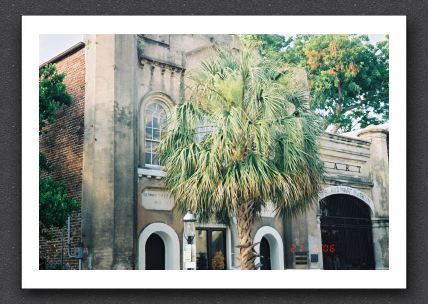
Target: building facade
<point>128,218</point>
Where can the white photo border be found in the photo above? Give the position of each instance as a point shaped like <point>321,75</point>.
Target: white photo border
<point>395,26</point>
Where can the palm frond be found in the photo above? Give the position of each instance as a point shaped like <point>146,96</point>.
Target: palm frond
<point>261,143</point>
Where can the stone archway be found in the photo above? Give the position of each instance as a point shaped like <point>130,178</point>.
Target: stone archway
<point>171,243</point>
<point>349,191</point>
<point>346,231</point>
<point>275,244</point>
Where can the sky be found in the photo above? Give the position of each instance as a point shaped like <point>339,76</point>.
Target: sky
<point>52,45</point>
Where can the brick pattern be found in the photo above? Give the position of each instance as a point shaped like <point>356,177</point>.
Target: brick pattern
<point>63,146</point>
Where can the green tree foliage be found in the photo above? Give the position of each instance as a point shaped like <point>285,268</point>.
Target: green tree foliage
<point>52,94</point>
<point>54,203</point>
<point>242,139</point>
<point>269,45</point>
<point>348,77</point>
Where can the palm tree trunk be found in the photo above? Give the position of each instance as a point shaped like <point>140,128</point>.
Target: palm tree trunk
<point>244,221</point>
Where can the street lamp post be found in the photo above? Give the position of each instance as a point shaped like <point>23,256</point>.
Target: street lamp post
<point>189,243</point>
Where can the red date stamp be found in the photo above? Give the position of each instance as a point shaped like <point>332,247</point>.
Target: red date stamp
<point>324,248</point>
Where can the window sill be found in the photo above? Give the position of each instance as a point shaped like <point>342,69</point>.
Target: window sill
<point>151,173</point>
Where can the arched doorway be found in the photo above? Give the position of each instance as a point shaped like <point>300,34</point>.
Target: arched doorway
<point>346,233</point>
<point>269,241</point>
<point>149,243</point>
<point>265,254</point>
<point>155,253</point>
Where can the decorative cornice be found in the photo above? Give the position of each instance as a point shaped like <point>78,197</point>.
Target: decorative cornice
<point>349,181</point>
<point>349,141</point>
<point>345,151</point>
<point>165,63</point>
<point>154,62</point>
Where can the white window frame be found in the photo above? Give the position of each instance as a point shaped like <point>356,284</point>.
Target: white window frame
<point>146,140</point>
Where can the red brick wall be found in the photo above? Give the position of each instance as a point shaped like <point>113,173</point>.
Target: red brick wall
<point>63,146</point>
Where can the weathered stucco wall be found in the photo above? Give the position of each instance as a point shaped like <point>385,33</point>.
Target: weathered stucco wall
<point>109,152</point>
<point>379,174</point>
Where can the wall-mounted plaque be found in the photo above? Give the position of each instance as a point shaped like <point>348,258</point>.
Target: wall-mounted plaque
<point>156,199</point>
<point>314,258</point>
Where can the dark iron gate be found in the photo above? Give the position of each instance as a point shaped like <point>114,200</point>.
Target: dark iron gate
<point>346,233</point>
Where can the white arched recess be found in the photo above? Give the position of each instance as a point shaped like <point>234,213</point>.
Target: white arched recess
<point>275,244</point>
<point>349,191</point>
<point>171,241</point>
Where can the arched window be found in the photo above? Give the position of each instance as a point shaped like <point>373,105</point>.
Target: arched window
<point>154,121</point>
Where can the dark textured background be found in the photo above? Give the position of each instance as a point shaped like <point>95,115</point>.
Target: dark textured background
<point>10,139</point>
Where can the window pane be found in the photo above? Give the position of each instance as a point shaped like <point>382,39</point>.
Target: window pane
<point>148,146</point>
<point>150,108</point>
<point>149,133</point>
<point>154,146</point>
<point>155,122</point>
<point>148,157</point>
<point>155,116</point>
<point>162,119</point>
<point>218,251</point>
<point>148,152</point>
<point>201,250</point>
<point>155,154</point>
<point>155,160</point>
<point>156,134</point>
<point>148,119</point>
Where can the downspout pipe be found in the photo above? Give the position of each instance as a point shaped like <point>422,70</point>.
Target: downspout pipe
<point>78,253</point>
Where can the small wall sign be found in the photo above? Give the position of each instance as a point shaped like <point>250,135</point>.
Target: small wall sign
<point>156,199</point>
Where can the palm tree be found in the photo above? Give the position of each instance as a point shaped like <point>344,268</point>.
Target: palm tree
<point>243,138</point>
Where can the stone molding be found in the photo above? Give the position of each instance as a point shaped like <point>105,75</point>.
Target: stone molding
<point>349,191</point>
